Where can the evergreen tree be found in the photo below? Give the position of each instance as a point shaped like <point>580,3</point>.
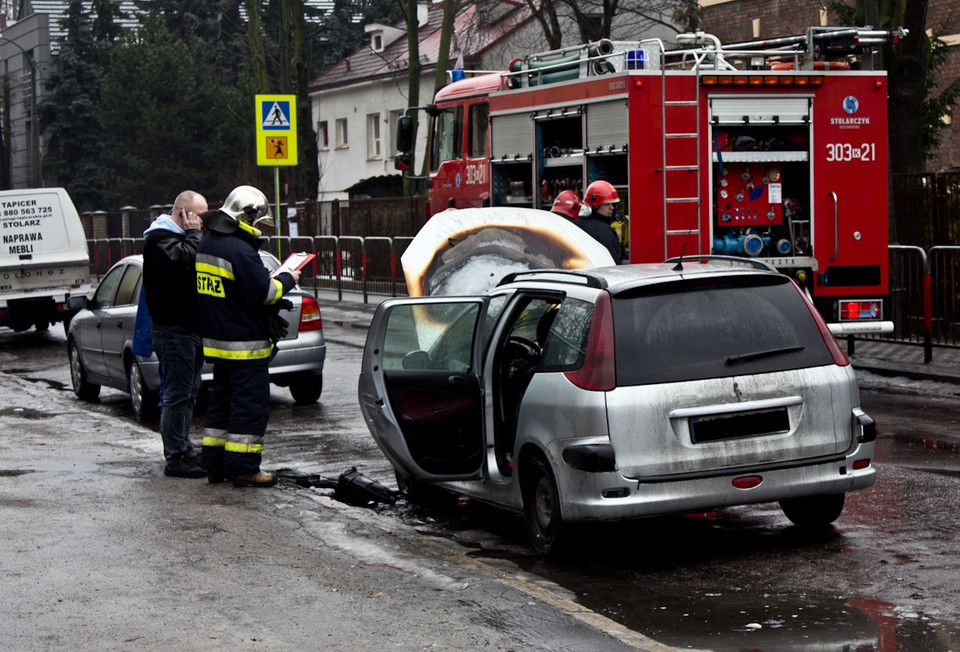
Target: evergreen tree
<point>68,112</point>
<point>106,29</point>
<point>171,126</point>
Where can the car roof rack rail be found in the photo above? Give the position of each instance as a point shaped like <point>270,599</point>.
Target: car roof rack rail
<point>573,276</point>
<point>755,263</point>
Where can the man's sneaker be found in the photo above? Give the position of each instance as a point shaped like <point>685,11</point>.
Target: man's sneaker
<point>180,467</point>
<point>258,479</point>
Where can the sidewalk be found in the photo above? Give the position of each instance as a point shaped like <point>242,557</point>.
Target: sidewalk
<point>882,358</point>
<point>906,360</point>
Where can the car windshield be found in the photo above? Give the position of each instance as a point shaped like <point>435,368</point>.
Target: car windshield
<point>697,330</point>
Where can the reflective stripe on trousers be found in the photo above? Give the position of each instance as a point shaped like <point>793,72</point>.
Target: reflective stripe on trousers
<point>236,418</point>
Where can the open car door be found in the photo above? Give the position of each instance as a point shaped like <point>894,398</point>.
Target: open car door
<point>420,387</point>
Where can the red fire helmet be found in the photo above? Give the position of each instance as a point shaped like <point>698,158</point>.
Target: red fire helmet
<point>567,204</point>
<point>600,192</point>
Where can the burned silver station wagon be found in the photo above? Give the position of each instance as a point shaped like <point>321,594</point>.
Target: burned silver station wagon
<point>620,392</point>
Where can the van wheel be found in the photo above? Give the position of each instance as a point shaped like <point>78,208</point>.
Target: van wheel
<point>813,511</point>
<point>541,508</point>
<point>143,401</point>
<point>85,391</point>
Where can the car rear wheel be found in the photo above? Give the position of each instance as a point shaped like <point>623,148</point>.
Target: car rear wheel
<point>541,508</point>
<point>143,401</point>
<point>306,389</point>
<point>412,490</point>
<point>813,511</point>
<point>84,390</point>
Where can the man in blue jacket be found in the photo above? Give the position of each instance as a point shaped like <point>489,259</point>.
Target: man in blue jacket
<point>239,301</point>
<point>169,284</point>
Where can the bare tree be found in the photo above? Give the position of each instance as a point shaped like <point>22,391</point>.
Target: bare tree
<point>413,78</point>
<point>621,19</point>
<point>545,13</point>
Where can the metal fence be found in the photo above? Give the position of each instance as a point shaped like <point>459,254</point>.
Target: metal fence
<point>354,254</point>
<point>345,264</point>
<point>926,209</point>
<point>364,218</point>
<point>924,299</point>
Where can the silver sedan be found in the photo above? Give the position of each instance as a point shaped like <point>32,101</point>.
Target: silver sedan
<point>100,339</point>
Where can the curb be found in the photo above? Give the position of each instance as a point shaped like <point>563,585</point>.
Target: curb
<point>893,368</point>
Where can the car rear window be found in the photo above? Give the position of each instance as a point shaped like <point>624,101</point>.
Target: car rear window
<point>711,329</point>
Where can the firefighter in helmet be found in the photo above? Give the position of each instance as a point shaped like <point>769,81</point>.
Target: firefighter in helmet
<point>239,323</point>
<point>567,204</point>
<point>602,199</point>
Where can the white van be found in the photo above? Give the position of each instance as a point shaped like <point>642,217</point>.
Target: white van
<point>43,257</point>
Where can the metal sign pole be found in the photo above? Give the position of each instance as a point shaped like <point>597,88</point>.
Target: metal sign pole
<point>277,218</point>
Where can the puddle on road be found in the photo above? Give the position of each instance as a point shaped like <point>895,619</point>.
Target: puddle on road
<point>657,586</point>
<point>12,473</point>
<point>646,577</point>
<point>24,413</point>
<point>732,622</point>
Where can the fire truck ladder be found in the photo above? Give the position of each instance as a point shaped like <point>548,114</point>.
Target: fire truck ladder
<point>682,194</point>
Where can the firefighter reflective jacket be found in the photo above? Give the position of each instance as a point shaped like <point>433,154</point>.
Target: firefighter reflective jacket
<point>235,294</point>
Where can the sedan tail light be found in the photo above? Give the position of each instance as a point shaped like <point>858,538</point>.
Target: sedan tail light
<point>599,370</point>
<point>310,315</point>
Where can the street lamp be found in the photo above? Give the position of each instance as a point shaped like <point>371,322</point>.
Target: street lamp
<point>36,175</point>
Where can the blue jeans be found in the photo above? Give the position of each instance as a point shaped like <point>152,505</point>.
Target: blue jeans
<point>181,360</point>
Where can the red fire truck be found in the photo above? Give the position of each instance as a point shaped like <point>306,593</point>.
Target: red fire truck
<point>774,149</point>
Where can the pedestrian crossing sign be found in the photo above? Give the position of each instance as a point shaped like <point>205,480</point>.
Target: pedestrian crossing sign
<point>276,115</point>
<point>276,129</point>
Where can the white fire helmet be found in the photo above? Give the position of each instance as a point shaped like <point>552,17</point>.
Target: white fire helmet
<point>249,205</point>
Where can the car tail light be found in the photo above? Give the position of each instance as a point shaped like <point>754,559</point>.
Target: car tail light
<point>599,370</point>
<point>839,357</point>
<point>861,464</point>
<point>310,315</point>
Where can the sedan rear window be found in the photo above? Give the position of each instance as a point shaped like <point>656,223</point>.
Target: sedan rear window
<point>697,330</point>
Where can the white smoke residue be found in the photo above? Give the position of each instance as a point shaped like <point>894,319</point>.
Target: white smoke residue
<point>469,251</point>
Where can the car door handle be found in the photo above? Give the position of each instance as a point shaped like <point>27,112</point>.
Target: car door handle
<point>120,324</point>
<point>456,380</point>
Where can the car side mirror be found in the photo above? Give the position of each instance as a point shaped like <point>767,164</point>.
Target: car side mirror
<point>416,360</point>
<point>77,302</point>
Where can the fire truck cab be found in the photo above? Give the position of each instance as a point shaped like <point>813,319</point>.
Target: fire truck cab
<point>771,149</point>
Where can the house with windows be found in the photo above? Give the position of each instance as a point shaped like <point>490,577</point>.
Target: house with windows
<point>356,104</point>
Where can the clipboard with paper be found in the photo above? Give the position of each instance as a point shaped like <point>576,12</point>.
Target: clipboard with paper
<point>297,260</point>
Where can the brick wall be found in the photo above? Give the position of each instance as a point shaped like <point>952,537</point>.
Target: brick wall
<point>733,21</point>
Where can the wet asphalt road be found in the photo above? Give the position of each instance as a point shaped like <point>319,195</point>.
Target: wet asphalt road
<point>883,578</point>
<point>105,553</point>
